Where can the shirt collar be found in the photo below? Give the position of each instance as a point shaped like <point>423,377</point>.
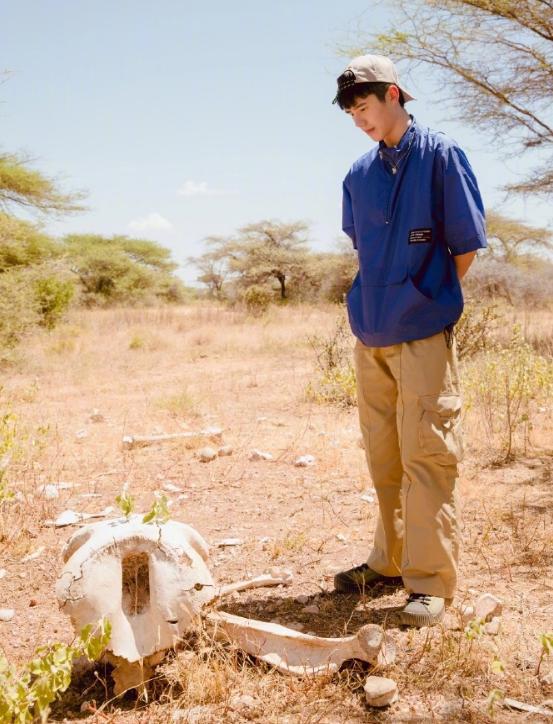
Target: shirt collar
<point>396,153</point>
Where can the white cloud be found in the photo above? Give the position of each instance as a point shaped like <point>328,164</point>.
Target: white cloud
<point>195,188</point>
<point>151,222</point>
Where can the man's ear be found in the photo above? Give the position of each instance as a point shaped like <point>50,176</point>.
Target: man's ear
<point>393,93</point>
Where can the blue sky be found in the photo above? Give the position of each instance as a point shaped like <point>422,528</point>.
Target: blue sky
<point>183,120</point>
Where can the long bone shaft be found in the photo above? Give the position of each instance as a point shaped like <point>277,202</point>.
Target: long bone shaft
<point>301,654</point>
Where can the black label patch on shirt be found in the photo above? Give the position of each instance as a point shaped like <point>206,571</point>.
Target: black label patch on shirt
<point>420,236</point>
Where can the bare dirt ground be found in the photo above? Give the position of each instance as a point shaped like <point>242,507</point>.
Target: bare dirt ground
<point>149,371</point>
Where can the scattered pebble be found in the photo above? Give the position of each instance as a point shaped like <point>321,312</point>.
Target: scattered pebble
<point>33,602</point>
<point>341,537</point>
<point>81,434</point>
<point>488,606</point>
<point>225,451</point>
<point>313,608</point>
<point>547,678</point>
<point>170,488</point>
<point>240,702</point>
<point>230,542</point>
<point>303,599</point>
<point>304,461</point>
<point>492,628</point>
<point>368,497</point>
<point>467,615</point>
<point>96,416</point>
<point>2,572</point>
<point>264,539</point>
<point>260,455</point>
<point>6,614</point>
<point>70,517</point>
<point>207,454</point>
<point>380,691</point>
<point>34,555</point>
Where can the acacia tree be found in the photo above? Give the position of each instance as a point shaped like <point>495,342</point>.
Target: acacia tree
<point>269,250</point>
<point>511,239</point>
<point>213,265</point>
<point>493,59</point>
<point>22,186</point>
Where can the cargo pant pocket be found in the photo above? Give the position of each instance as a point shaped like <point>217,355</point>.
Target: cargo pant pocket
<point>440,427</point>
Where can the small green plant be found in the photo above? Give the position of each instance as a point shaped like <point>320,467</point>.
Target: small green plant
<point>137,342</point>
<point>495,696</point>
<point>26,694</point>
<point>125,501</point>
<point>546,640</point>
<point>159,512</point>
<point>474,629</point>
<point>336,384</point>
<point>505,384</point>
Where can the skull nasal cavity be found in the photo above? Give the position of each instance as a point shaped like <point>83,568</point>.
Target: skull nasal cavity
<point>136,583</point>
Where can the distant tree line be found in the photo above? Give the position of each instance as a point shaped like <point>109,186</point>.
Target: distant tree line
<point>41,276</point>
<point>270,261</point>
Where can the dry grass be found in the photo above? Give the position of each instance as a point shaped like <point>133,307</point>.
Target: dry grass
<point>203,365</point>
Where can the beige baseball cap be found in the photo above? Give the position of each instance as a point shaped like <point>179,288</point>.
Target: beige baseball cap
<point>370,69</point>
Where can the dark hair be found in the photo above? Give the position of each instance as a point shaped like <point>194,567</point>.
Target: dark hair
<point>348,96</point>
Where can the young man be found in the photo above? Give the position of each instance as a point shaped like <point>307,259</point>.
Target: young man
<point>412,208</point>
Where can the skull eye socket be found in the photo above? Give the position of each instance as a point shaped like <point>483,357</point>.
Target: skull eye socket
<point>198,586</point>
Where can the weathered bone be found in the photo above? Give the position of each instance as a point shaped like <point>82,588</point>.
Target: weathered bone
<point>211,433</point>
<point>153,583</point>
<point>275,577</point>
<point>297,653</point>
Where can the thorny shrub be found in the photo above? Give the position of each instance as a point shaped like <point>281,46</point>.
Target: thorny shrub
<point>506,385</point>
<point>257,299</point>
<point>473,331</point>
<point>335,383</point>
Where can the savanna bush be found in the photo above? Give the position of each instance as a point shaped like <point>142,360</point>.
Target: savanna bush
<point>257,299</point>
<point>492,278</point>
<point>335,382</point>
<point>505,385</point>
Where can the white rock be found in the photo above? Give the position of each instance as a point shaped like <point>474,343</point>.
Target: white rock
<point>341,537</point>
<point>368,497</point>
<point>380,691</point>
<point>170,488</point>
<point>81,434</point>
<point>313,608</point>
<point>264,539</point>
<point>224,451</point>
<point>547,678</point>
<point>260,455</point>
<point>230,542</point>
<point>207,454</point>
<point>304,461</point>
<point>34,555</point>
<point>194,715</point>
<point>2,572</point>
<point>70,517</point>
<point>239,702</point>
<point>492,628</point>
<point>488,606</point>
<point>283,573</point>
<point>6,614</point>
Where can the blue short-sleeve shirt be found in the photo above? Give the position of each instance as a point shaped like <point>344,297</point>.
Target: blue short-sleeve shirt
<point>409,210</point>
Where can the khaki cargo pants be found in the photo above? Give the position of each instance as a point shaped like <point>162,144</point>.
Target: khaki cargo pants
<point>409,412</point>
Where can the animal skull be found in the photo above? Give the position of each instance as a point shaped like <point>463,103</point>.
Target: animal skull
<point>153,583</point>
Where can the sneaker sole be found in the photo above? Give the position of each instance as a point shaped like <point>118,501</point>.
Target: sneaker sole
<point>420,619</point>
